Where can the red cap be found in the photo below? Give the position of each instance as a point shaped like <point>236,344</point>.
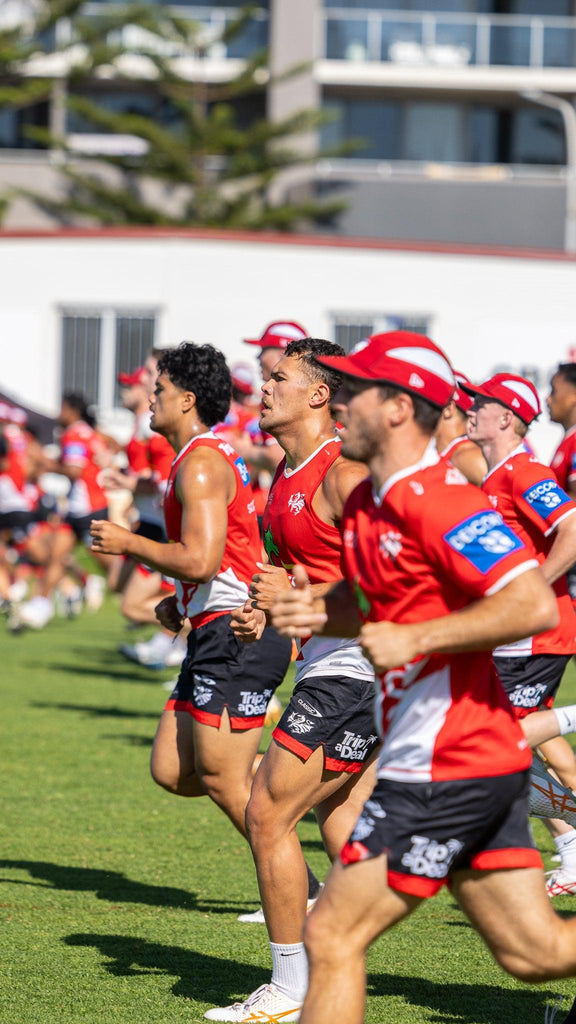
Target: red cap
<point>462,400</point>
<point>409,361</point>
<point>515,393</point>
<point>279,334</point>
<point>243,378</point>
<point>128,380</point>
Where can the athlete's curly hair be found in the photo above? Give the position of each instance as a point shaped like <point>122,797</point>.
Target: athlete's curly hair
<point>203,370</point>
<point>307,350</point>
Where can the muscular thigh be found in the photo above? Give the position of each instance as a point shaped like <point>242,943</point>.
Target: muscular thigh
<point>173,754</point>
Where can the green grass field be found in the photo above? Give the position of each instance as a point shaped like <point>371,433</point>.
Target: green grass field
<point>119,902</point>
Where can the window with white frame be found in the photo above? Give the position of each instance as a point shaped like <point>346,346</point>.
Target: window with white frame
<point>98,344</point>
<point>350,328</point>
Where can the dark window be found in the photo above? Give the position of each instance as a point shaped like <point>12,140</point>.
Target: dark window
<point>134,340</point>
<point>15,125</point>
<point>447,132</point>
<point>351,328</point>
<point>81,355</point>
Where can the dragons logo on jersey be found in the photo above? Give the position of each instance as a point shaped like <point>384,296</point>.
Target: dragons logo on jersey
<point>361,599</point>
<point>270,547</point>
<point>296,502</point>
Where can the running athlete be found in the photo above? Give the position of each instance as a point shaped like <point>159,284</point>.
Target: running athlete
<point>438,579</point>
<point>531,501</point>
<point>450,435</point>
<point>326,739</point>
<point>561,404</point>
<point>259,449</point>
<point>210,729</point>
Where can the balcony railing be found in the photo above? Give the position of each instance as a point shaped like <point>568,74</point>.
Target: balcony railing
<point>448,40</point>
<point>213,21</point>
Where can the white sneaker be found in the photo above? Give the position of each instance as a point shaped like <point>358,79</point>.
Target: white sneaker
<point>560,883</point>
<point>257,916</point>
<point>35,614</point>
<point>94,590</point>
<point>158,652</point>
<point>266,1004</point>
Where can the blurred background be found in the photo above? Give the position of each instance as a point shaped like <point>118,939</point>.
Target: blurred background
<point>188,170</point>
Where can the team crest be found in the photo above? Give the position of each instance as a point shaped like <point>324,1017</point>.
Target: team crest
<point>391,544</point>
<point>296,502</point>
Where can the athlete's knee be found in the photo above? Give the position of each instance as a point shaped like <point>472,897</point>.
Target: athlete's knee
<point>264,821</point>
<point>324,944</point>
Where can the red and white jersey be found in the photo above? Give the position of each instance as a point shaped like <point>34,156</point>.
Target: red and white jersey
<point>428,545</point>
<point>137,447</point>
<point>564,459</point>
<point>81,446</point>
<point>449,450</point>
<point>295,535</point>
<point>532,502</point>
<point>229,587</point>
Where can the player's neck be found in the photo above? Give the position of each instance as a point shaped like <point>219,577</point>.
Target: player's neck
<point>499,449</point>
<point>301,440</point>
<point>184,433</point>
<point>399,454</point>
<point>569,420</point>
<point>447,431</point>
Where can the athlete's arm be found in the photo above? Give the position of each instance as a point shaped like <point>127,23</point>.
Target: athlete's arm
<point>341,479</point>
<point>300,612</point>
<point>524,607</point>
<point>205,484</point>
<point>562,554</point>
<point>469,460</point>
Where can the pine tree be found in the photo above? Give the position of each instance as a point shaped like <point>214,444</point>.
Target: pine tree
<point>201,166</point>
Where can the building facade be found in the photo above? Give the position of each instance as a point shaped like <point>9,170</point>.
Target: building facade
<point>462,111</point>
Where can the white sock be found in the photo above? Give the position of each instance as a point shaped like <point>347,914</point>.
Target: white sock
<point>566,718</point>
<point>290,969</point>
<point>566,846</point>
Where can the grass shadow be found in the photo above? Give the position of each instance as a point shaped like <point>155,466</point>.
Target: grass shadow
<point>115,887</point>
<point>203,978</point>
<point>95,711</point>
<point>458,1003</point>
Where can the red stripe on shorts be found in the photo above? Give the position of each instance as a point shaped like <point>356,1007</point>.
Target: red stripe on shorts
<point>511,857</point>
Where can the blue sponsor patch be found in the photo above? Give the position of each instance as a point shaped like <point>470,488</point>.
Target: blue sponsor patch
<point>545,497</point>
<point>74,450</point>
<point>242,469</point>
<point>573,460</point>
<point>484,540</point>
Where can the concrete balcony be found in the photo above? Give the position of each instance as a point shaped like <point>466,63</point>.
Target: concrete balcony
<point>447,51</point>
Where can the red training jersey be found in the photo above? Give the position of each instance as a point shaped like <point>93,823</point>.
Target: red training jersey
<point>229,587</point>
<point>564,459</point>
<point>81,447</point>
<point>295,534</point>
<point>532,502</point>
<point>428,545</point>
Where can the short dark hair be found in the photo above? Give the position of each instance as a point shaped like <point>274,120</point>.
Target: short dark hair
<point>568,371</point>
<point>307,350</point>
<point>203,370</point>
<point>426,415</point>
<point>75,400</point>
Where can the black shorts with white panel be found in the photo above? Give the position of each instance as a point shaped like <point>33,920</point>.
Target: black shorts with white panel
<point>531,682</point>
<point>220,672</point>
<point>428,830</point>
<point>335,712</point>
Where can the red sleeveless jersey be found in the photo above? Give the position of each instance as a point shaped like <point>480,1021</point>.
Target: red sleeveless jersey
<point>294,534</point>
<point>81,446</point>
<point>229,587</point>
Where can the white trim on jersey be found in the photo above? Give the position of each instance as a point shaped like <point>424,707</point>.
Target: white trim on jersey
<point>288,473</point>
<point>430,458</point>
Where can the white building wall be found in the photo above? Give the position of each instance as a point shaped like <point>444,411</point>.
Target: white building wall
<point>489,312</point>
